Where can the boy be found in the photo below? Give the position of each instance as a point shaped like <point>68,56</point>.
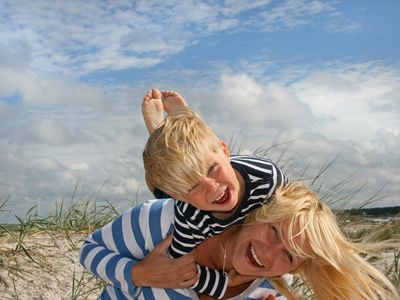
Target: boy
<point>184,158</point>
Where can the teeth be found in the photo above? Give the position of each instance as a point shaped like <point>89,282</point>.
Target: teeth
<point>220,196</point>
<point>257,260</point>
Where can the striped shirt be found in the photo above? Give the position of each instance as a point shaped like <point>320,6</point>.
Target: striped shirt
<point>192,225</point>
<point>112,251</point>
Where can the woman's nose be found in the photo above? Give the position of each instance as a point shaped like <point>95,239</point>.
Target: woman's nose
<point>271,253</point>
<point>267,260</point>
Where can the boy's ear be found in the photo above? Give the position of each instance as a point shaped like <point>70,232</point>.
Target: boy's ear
<point>178,197</point>
<point>175,196</point>
<point>225,148</point>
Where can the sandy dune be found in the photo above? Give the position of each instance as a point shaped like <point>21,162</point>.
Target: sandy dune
<point>55,274</point>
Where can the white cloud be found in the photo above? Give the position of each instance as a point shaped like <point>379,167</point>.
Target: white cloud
<point>37,90</point>
<point>6,111</point>
<point>233,7</point>
<point>347,27</point>
<point>49,132</point>
<point>344,92</point>
<point>247,102</point>
<point>46,149</point>
<point>63,38</point>
<point>292,13</point>
<point>14,54</point>
<point>47,176</point>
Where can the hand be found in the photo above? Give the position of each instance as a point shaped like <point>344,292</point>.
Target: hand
<point>205,297</point>
<point>269,297</point>
<point>159,270</point>
<point>236,279</point>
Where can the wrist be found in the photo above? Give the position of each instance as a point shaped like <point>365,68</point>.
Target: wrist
<point>137,276</point>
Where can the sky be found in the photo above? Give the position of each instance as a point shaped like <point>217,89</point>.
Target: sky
<point>307,82</point>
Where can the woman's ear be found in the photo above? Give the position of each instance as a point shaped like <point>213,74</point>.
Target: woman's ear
<point>224,148</point>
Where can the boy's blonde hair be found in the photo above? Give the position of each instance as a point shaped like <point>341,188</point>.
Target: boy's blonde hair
<point>335,268</point>
<point>175,154</point>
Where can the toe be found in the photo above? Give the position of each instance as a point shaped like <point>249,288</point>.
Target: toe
<point>156,93</point>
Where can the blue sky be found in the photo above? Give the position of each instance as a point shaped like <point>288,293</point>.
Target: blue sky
<point>322,75</point>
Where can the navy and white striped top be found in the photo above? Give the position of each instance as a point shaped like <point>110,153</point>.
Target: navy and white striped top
<point>192,225</point>
<point>112,251</point>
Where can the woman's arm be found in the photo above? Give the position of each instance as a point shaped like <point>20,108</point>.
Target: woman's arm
<point>116,253</point>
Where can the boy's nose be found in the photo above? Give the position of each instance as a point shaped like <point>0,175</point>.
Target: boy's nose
<point>210,182</point>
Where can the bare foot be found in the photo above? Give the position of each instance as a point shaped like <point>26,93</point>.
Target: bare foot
<point>173,101</point>
<point>152,109</point>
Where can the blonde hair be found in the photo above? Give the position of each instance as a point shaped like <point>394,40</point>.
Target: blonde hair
<point>175,153</point>
<point>335,268</point>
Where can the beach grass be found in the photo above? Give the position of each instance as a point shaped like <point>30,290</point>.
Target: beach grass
<point>34,250</point>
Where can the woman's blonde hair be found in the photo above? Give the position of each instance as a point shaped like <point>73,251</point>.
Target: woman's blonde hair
<point>335,268</point>
<point>175,154</point>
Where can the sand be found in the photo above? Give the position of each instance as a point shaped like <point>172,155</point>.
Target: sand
<point>55,274</point>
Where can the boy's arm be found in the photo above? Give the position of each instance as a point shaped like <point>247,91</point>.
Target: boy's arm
<point>114,252</point>
<point>278,179</point>
<point>211,282</point>
<point>186,236</point>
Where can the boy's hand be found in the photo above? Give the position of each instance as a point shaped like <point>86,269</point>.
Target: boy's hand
<point>159,270</point>
<point>236,279</point>
<point>205,297</point>
<point>269,297</point>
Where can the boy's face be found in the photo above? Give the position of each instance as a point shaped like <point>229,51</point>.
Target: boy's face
<point>220,189</point>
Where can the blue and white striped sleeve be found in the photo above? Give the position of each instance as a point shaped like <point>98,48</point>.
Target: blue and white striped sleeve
<point>111,252</point>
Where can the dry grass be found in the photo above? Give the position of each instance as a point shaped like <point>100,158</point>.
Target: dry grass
<point>39,255</point>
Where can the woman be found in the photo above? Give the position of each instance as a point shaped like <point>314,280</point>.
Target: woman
<point>296,233</point>
<point>121,247</point>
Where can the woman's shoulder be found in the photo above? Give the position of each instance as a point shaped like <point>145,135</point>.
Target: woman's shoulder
<point>259,289</point>
<point>159,211</point>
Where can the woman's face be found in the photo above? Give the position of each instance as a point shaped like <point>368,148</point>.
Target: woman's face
<point>260,250</point>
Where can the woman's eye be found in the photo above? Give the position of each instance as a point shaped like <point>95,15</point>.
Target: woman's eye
<point>288,256</point>
<point>275,232</point>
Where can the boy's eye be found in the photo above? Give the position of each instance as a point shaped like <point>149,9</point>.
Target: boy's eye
<point>192,188</point>
<point>211,168</point>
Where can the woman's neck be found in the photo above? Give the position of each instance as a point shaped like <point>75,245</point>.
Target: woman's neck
<point>221,256</point>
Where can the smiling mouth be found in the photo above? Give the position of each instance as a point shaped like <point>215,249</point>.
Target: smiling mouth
<point>224,197</point>
<point>253,258</point>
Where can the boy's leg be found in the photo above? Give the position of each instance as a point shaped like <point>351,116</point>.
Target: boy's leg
<point>152,109</point>
<point>173,101</point>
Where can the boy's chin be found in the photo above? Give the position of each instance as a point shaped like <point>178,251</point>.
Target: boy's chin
<point>227,208</point>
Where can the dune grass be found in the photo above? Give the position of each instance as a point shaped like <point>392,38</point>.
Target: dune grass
<point>71,224</point>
